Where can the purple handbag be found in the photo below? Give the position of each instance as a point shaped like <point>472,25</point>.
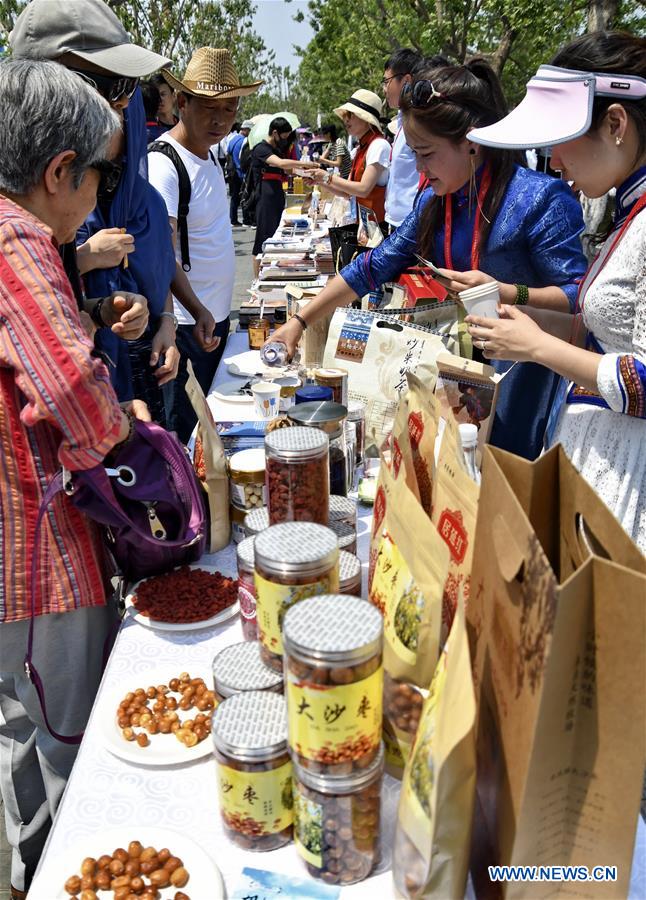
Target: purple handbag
<point>151,505</point>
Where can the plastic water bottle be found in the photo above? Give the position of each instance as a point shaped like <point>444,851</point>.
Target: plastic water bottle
<point>469,437</point>
<point>315,204</point>
<point>274,354</point>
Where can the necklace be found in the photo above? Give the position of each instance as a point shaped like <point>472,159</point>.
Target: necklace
<point>477,225</point>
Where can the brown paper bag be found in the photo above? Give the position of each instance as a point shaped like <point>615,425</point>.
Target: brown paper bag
<point>557,619</point>
<point>423,418</point>
<point>407,587</point>
<point>401,449</point>
<point>210,464</point>
<point>431,855</point>
<point>455,508</point>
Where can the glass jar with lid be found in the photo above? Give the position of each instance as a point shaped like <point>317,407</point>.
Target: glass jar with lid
<point>346,536</point>
<point>328,417</point>
<point>258,331</point>
<point>357,415</point>
<point>247,589</point>
<point>337,379</point>
<point>343,509</point>
<point>239,667</point>
<point>256,521</point>
<point>237,517</point>
<point>293,561</point>
<point>254,770</point>
<point>298,481</point>
<point>349,574</point>
<point>247,478</point>
<point>334,683</point>
<point>337,822</point>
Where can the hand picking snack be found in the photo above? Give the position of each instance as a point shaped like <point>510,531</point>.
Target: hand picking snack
<point>156,711</point>
<point>136,872</point>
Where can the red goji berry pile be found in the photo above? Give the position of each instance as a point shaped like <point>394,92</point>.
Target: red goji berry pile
<point>185,595</point>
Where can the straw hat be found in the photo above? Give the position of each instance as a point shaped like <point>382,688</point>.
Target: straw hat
<point>211,73</point>
<point>365,105</point>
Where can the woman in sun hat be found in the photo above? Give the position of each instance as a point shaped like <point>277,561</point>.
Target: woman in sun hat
<point>589,106</point>
<point>361,115</point>
<point>484,218</point>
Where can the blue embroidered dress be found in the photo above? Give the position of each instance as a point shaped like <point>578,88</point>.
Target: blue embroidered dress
<point>605,435</point>
<point>534,240</point>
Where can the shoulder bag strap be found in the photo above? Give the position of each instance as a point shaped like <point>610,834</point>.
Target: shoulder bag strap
<point>184,196</point>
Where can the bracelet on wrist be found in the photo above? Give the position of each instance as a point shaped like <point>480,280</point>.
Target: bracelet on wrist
<point>522,295</point>
<point>301,320</point>
<point>95,314</point>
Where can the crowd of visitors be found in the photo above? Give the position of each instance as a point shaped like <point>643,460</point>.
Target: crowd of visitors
<point>117,267</point>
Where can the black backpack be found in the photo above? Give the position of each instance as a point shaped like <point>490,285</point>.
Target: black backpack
<point>184,195</point>
<point>245,156</point>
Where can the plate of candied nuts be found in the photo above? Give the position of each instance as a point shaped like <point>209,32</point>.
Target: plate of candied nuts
<point>156,862</point>
<point>162,721</point>
<point>188,598</point>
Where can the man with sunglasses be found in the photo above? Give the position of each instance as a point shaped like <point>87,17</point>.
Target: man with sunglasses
<point>87,38</point>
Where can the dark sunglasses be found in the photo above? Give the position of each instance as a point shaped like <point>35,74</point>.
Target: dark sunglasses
<point>110,174</point>
<point>111,87</point>
<point>420,93</point>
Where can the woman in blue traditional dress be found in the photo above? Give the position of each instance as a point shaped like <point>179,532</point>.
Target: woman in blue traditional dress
<point>483,217</point>
<point>589,106</point>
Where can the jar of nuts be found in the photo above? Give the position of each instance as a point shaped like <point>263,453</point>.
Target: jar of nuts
<point>247,479</point>
<point>237,517</point>
<point>298,481</point>
<point>293,561</point>
<point>256,521</point>
<point>334,683</point>
<point>346,535</point>
<point>336,822</point>
<point>403,704</point>
<point>349,574</point>
<point>247,589</point>
<point>239,668</point>
<point>343,509</point>
<point>254,771</point>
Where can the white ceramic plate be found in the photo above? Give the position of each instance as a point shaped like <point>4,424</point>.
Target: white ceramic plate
<point>158,625</point>
<point>163,749</point>
<point>249,363</point>
<point>205,879</point>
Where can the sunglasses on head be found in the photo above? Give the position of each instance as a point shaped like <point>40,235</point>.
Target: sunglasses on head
<point>110,174</point>
<point>111,87</point>
<point>420,93</point>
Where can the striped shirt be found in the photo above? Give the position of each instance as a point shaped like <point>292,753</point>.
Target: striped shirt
<point>57,408</point>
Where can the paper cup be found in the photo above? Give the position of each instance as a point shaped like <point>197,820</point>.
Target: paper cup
<point>266,399</point>
<point>481,300</point>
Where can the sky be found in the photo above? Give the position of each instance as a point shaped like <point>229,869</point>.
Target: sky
<point>274,22</point>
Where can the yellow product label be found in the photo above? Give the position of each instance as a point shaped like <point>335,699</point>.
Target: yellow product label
<point>402,603</point>
<point>274,600</point>
<point>328,724</point>
<point>258,803</point>
<point>308,828</point>
<point>418,787</point>
<point>397,748</point>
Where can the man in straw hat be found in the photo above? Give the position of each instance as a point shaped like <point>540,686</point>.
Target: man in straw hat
<point>207,99</point>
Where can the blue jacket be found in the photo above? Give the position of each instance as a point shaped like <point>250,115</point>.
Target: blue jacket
<point>534,240</point>
<point>234,148</point>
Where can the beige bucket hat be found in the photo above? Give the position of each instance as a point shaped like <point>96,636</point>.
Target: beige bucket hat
<point>365,105</point>
<point>211,73</point>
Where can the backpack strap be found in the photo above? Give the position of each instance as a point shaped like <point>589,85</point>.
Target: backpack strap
<point>184,196</point>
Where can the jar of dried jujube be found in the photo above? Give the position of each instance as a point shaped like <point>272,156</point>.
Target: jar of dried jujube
<point>298,480</point>
<point>336,822</point>
<point>247,589</point>
<point>256,521</point>
<point>334,683</point>
<point>254,770</point>
<point>239,667</point>
<point>293,561</point>
<point>349,574</point>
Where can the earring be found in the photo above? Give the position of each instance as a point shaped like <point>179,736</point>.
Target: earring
<point>619,141</point>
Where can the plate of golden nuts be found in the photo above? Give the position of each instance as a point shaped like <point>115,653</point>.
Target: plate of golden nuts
<point>161,719</point>
<point>117,863</point>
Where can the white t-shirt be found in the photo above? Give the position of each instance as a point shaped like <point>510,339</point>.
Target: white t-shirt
<point>210,239</point>
<point>403,180</point>
<point>379,152</point>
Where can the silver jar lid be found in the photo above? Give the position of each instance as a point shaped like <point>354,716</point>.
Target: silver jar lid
<point>295,548</point>
<point>296,443</point>
<point>239,667</point>
<point>256,521</point>
<point>342,508</point>
<point>325,415</point>
<point>341,784</point>
<point>334,628</point>
<point>349,569</point>
<point>251,726</point>
<point>244,552</point>
<point>346,534</point>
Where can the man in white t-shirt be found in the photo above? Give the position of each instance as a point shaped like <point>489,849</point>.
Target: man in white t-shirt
<point>207,99</point>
